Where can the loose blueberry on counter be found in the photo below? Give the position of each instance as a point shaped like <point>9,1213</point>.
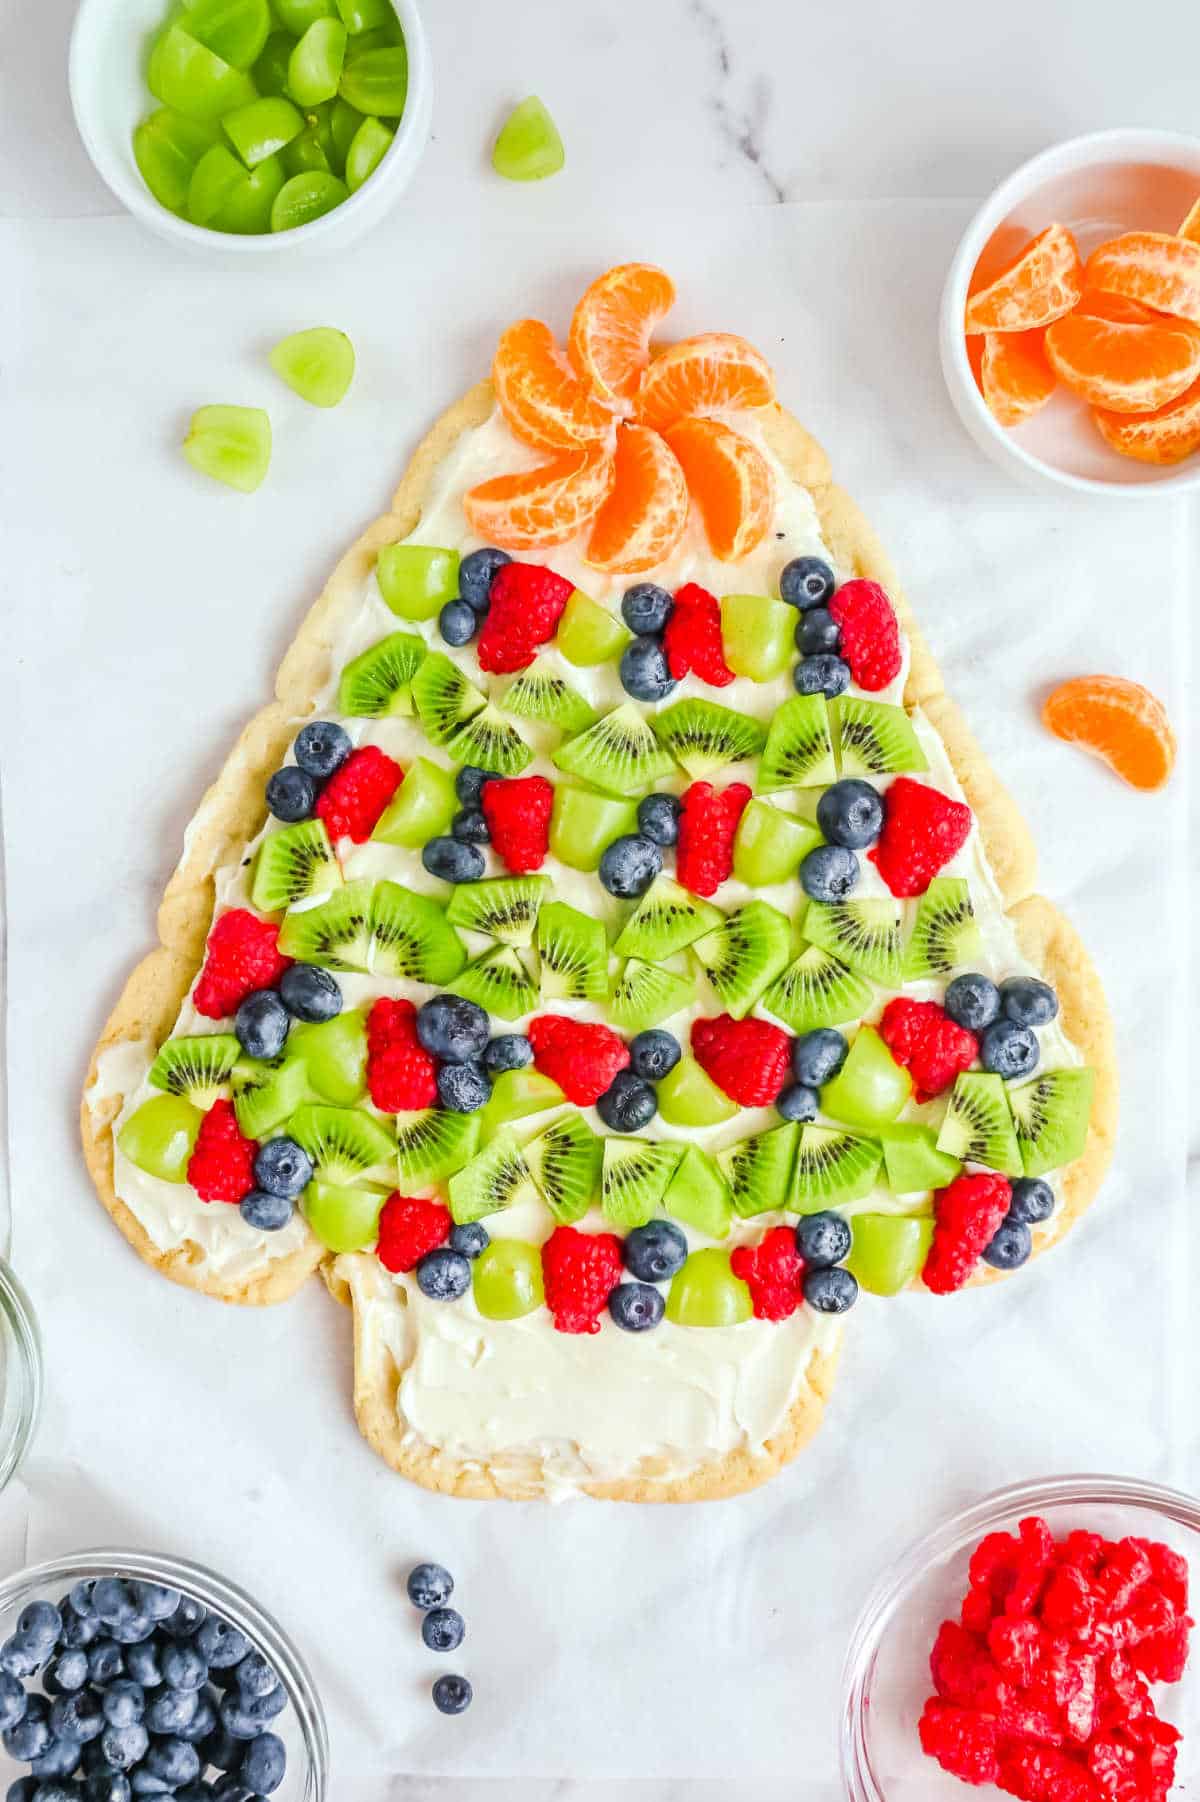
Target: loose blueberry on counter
<point>828,676</point>
<point>628,1103</point>
<point>829,873</point>
<point>1032,1200</point>
<point>1008,1050</point>
<point>468,784</point>
<point>972,1000</point>
<point>658,818</point>
<point>265,1212</point>
<point>818,633</point>
<point>850,813</point>
<point>830,1291</point>
<point>429,1586</point>
<point>310,994</point>
<point>443,1629</point>
<point>806,582</point>
<point>822,1240</point>
<point>817,1056</point>
<point>187,1619</point>
<point>452,860</point>
<point>1011,1246</point>
<point>443,1275</point>
<point>452,1028</point>
<point>654,1053</point>
<point>1027,1001</point>
<point>656,1251</point>
<point>470,827</point>
<point>646,608</point>
<point>508,1051</point>
<point>636,1307</point>
<point>452,1695</point>
<point>477,572</point>
<point>261,1024</point>
<point>463,1087</point>
<point>291,794</point>
<point>265,1763</point>
<point>644,670</point>
<point>281,1167</point>
<point>629,865</point>
<point>471,1240</point>
<point>321,747</point>
<point>797,1102</point>
<point>458,622</point>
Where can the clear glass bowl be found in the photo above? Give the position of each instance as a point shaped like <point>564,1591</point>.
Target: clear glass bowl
<point>21,1375</point>
<point>301,1726</point>
<point>886,1676</point>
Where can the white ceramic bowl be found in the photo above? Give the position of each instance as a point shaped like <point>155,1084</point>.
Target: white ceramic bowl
<point>109,96</point>
<point>1099,185</point>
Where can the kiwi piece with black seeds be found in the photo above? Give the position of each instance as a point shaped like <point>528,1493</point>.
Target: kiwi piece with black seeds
<point>487,741</point>
<point>945,934</point>
<point>443,697</point>
<point>505,907</point>
<point>634,1178</point>
<point>266,1094</point>
<point>665,920</point>
<point>573,949</point>
<point>703,737</point>
<point>342,1142</point>
<point>538,695</point>
<point>619,754</point>
<point>411,937</point>
<point>565,1161</point>
<point>497,1177</point>
<point>832,1167</point>
<point>498,982</point>
<point>745,954</point>
<point>978,1127</point>
<point>336,934</point>
<point>293,864</point>
<point>874,738</point>
<point>817,989</point>
<point>197,1068</point>
<point>758,1169</point>
<point>799,749</point>
<point>645,994</point>
<point>434,1143</point>
<point>377,683</point>
<point>863,934</point>
<point>1052,1114</point>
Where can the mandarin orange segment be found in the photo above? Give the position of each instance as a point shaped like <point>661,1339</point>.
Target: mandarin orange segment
<point>730,482</point>
<point>975,347</point>
<point>1043,281</point>
<point>1124,366</point>
<point>543,506</point>
<point>1100,305</point>
<point>1120,721</point>
<point>545,402</point>
<point>609,340</point>
<point>1191,225</point>
<point>1014,375</point>
<point>1156,268</point>
<point>644,516</point>
<point>705,374</point>
<point>1166,436</point>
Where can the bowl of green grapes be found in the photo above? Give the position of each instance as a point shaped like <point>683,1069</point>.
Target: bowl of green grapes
<point>253,126</point>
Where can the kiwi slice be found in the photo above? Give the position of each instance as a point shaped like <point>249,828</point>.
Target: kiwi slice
<point>817,989</point>
<point>292,864</point>
<point>873,738</point>
<point>434,1143</point>
<point>335,934</point>
<point>499,982</point>
<point>945,933</point>
<point>343,1142</point>
<point>574,953</point>
<point>832,1167</point>
<point>864,934</point>
<point>565,1162</point>
<point>703,737</point>
<point>799,750</point>
<point>665,920</point>
<point>267,1094</point>
<point>1052,1114</point>
<point>443,697</point>
<point>377,683</point>
<point>634,1177</point>
<point>537,695</point>
<point>411,938</point>
<point>495,1178</point>
<point>489,742</point>
<point>697,1194</point>
<point>744,954</point>
<point>978,1127</point>
<point>758,1170</point>
<point>505,908</point>
<point>619,754</point>
<point>197,1068</point>
<point>644,994</point>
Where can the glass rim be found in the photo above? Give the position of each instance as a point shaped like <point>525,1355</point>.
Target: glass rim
<point>21,1321</point>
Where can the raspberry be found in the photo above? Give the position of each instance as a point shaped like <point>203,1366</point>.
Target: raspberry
<point>963,1673</point>
<point>1084,1550</point>
<point>1079,1715</point>
<point>1013,1644</point>
<point>1118,1771</point>
<point>517,811</point>
<point>1040,1774</point>
<point>966,1216</point>
<point>922,1036</point>
<point>922,831</point>
<point>242,956</point>
<point>579,1272</point>
<point>221,1167</point>
<point>1126,1568</point>
<point>748,1059</point>
<point>976,1611</point>
<point>526,603</point>
<point>352,801</point>
<point>870,635</point>
<point>692,638</point>
<point>1162,1656</point>
<point>1067,1605</point>
<point>773,1269</point>
<point>580,1057</point>
<point>401,1075</point>
<point>704,853</point>
<point>408,1228</point>
<point>1169,1570</point>
<point>963,1743</point>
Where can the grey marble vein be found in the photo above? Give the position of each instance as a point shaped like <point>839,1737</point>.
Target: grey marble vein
<point>741,125</point>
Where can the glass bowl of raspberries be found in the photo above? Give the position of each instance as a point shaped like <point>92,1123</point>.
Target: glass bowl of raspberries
<point>1035,1645</point>
<point>124,1675</point>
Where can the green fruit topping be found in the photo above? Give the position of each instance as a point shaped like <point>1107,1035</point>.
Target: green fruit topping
<point>306,197</point>
<point>370,145</point>
<point>506,907</point>
<point>297,15</point>
<point>913,1162</point>
<point>506,1279</point>
<point>443,697</point>
<point>376,81</point>
<point>619,754</point>
<point>344,121</point>
<point>293,864</point>
<point>377,682</point>
<point>235,30</point>
<point>769,846</point>
<point>583,824</point>
<point>703,737</point>
<point>863,934</point>
<point>832,1167</point>
<point>166,149</point>
<point>318,365</point>
<point>743,955</point>
<point>528,147</point>
<point>365,15</point>
<point>978,1128</point>
<point>343,1143</point>
<point>873,738</point>
<point>246,208</point>
<point>565,1161</point>
<point>161,1136</point>
<point>416,581</point>
<point>757,635</point>
<point>573,949</point>
<point>230,444</point>
<point>499,983</point>
<point>489,742</point>
<point>537,695</point>
<point>315,67</point>
<point>634,1178</point>
<point>422,808</point>
<point>706,1292</point>
<point>434,1143</point>
<point>270,72</point>
<point>263,128</point>
<point>334,1054</point>
<point>817,990</point>
<point>198,1068</point>
<point>588,634</point>
<point>335,934</point>
<point>665,920</point>
<point>697,1194</point>
<point>265,1095</point>
<point>344,1219</point>
<point>1052,1114</point>
<point>216,177</point>
<point>687,1096</point>
<point>799,750</point>
<point>870,1088</point>
<point>191,79</point>
<point>411,937</point>
<point>515,1095</point>
<point>889,1250</point>
<point>945,934</point>
<point>758,1169</point>
<point>645,994</point>
<point>496,1177</point>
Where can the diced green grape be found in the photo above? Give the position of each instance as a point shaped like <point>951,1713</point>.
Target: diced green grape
<point>757,635</point>
<point>687,1096</point>
<point>233,29</point>
<point>365,15</point>
<point>304,198</point>
<point>345,122</point>
<point>871,1087</point>
<point>334,1054</point>
<point>297,15</point>
<point>372,141</point>
<point>587,633</point>
<point>230,444</point>
<point>376,81</point>
<point>528,147</point>
<point>166,149</point>
<point>247,210</point>
<point>423,808</point>
<point>161,1137</point>
<point>213,181</point>
<point>306,153</point>
<point>506,1279</point>
<point>343,1218</point>
<point>705,1292</point>
<point>261,129</point>
<point>889,1250</point>
<point>380,39</point>
<point>318,365</point>
<point>186,76</point>
<point>271,70</point>
<point>316,65</point>
<point>416,580</point>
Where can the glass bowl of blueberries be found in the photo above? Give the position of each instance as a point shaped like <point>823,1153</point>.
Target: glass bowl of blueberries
<point>125,1675</point>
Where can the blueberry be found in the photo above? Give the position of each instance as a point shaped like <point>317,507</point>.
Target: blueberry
<point>822,1240</point>
<point>636,1307</point>
<point>41,1624</point>
<point>12,1699</point>
<point>230,1788</point>
<point>157,1600</point>
<point>187,1619</point>
<point>255,1676</point>
<point>174,1761</point>
<point>470,827</point>
<point>477,572</point>
<point>21,1659</point>
<point>133,1631</point>
<point>110,1786</point>
<point>850,813</point>
<point>80,1596</point>
<point>291,794</point>
<point>1032,1200</point>
<point>60,1759</point>
<point>203,1722</point>
<point>195,1792</point>
<point>171,1709</point>
<point>78,1716</point>
<point>444,1275</point>
<point>141,1663</point>
<point>250,1714</point>
<point>452,1695</point>
<point>645,673</point>
<point>261,1024</point>
<point>220,1644</point>
<point>221,1749</point>
<point>656,1251</point>
<point>264,1765</point>
<point>818,633</point>
<point>1027,1001</point>
<point>653,1054</point>
<point>310,994</point>
<point>817,1056</point>
<point>628,1103</point>
<point>510,1051</point>
<point>830,1291</point>
<point>629,865</point>
<point>458,622</point>
<point>829,873</point>
<point>429,1586</point>
<point>1008,1050</point>
<point>443,1629</point>
<point>827,676</point>
<point>22,1790</point>
<point>1011,1246</point>
<point>321,747</point>
<point>55,1789</point>
<point>468,784</point>
<point>658,818</point>
<point>266,1213</point>
<point>106,1660</point>
<point>645,608</point>
<point>282,1167</point>
<point>123,1702</point>
<point>78,1629</point>
<point>68,1672</point>
<point>806,582</point>
<point>183,1667</point>
<point>470,1240</point>
<point>28,1739</point>
<point>972,1000</point>
<point>144,1783</point>
<point>797,1102</point>
<point>453,1029</point>
<point>237,1721</point>
<point>453,861</point>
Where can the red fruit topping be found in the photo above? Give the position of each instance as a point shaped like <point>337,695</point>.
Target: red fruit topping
<point>579,1272</point>
<point>692,637</point>
<point>221,1167</point>
<point>922,1036</point>
<point>964,1743</point>
<point>408,1228</point>
<point>1040,1774</point>
<point>1120,1772</point>
<point>704,853</point>
<point>1014,1646</point>
<point>401,1074</point>
<point>1162,1657</point>
<point>242,956</point>
<point>582,1058</point>
<point>353,800</point>
<point>922,830</point>
<point>517,811</point>
<point>870,635</point>
<point>523,612</point>
<point>966,1216</point>
<point>963,1673</point>
<point>773,1269</point>
<point>1067,1604</point>
<point>748,1059</point>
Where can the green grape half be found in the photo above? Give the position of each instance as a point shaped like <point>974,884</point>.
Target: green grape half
<point>271,70</point>
<point>304,198</point>
<point>230,444</point>
<point>316,63</point>
<point>161,1136</point>
<point>297,15</point>
<point>705,1292</point>
<point>189,78</point>
<point>528,147</point>
<point>318,365</point>
<point>372,141</point>
<point>213,181</point>
<point>166,149</point>
<point>365,15</point>
<point>247,210</point>
<point>234,30</point>
<point>263,128</point>
<point>506,1279</point>
<point>376,81</point>
<point>306,154</point>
